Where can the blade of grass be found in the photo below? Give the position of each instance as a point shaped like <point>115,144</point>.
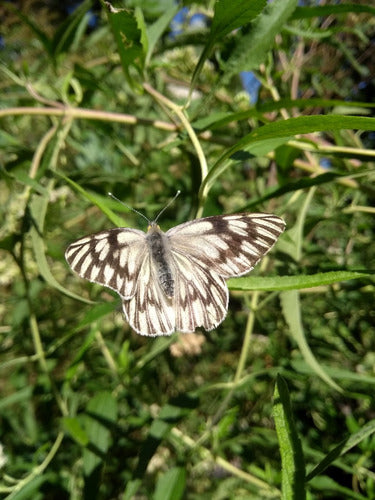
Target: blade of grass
<point>291,307</point>
<point>38,207</point>
<point>345,445</point>
<point>292,459</point>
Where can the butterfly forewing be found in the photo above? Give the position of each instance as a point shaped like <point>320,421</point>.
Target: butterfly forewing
<point>231,245</point>
<point>112,258</point>
<point>175,281</point>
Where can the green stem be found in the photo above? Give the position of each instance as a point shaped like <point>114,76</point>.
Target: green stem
<point>189,129</point>
<point>37,471</point>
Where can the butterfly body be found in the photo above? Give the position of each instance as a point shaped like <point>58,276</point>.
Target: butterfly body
<point>175,280</point>
<point>159,248</point>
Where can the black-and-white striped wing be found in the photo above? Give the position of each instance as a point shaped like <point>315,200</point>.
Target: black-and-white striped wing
<point>207,251</point>
<point>175,280</point>
<point>230,245</point>
<point>150,311</point>
<point>111,258</point>
<point>201,295</point>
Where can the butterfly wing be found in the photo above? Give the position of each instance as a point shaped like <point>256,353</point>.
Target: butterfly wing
<point>150,311</point>
<point>200,298</point>
<point>230,245</point>
<point>112,258</point>
<point>201,253</point>
<point>210,249</point>
<point>201,295</point>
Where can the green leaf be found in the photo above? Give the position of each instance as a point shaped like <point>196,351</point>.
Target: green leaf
<point>292,459</point>
<point>79,355</point>
<point>220,119</point>
<point>287,129</point>
<point>291,307</point>
<point>99,201</point>
<point>357,379</point>
<point>131,489</point>
<point>38,207</point>
<point>101,414</point>
<point>31,489</point>
<point>155,31</point>
<point>69,32</point>
<point>330,10</point>
<point>232,14</point>
<point>23,177</point>
<point>170,414</point>
<point>347,444</point>
<point>331,488</point>
<point>252,47</point>
<point>96,312</point>
<point>266,107</point>
<point>178,408</point>
<point>129,32</point>
<point>73,426</point>
<point>228,16</point>
<point>20,396</point>
<point>291,187</point>
<point>34,27</point>
<point>278,283</point>
<point>7,140</point>
<point>171,485</point>
<point>160,345</point>
<point>158,431</point>
<point>290,300</point>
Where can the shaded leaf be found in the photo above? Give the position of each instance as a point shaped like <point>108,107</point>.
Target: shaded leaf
<point>287,129</point>
<point>73,426</point>
<point>130,36</point>
<point>252,47</point>
<point>71,30</point>
<point>228,16</point>
<point>171,485</point>
<point>101,413</point>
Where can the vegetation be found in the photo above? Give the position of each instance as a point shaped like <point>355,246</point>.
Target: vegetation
<point>278,401</point>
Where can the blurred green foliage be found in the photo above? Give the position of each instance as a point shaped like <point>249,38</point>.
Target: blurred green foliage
<point>278,401</point>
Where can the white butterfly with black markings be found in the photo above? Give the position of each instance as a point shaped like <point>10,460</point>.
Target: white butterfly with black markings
<point>175,281</point>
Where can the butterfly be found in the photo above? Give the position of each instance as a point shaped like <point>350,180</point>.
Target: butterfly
<point>175,281</point>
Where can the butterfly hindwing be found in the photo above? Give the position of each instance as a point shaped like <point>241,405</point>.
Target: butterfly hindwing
<point>201,297</point>
<point>149,311</point>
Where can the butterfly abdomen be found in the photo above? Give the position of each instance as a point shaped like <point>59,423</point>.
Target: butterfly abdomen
<point>158,245</point>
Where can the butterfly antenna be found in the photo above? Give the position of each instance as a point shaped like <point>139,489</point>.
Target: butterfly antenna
<point>166,206</point>
<point>130,208</point>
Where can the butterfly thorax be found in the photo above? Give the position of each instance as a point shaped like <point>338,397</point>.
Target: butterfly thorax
<point>159,249</point>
